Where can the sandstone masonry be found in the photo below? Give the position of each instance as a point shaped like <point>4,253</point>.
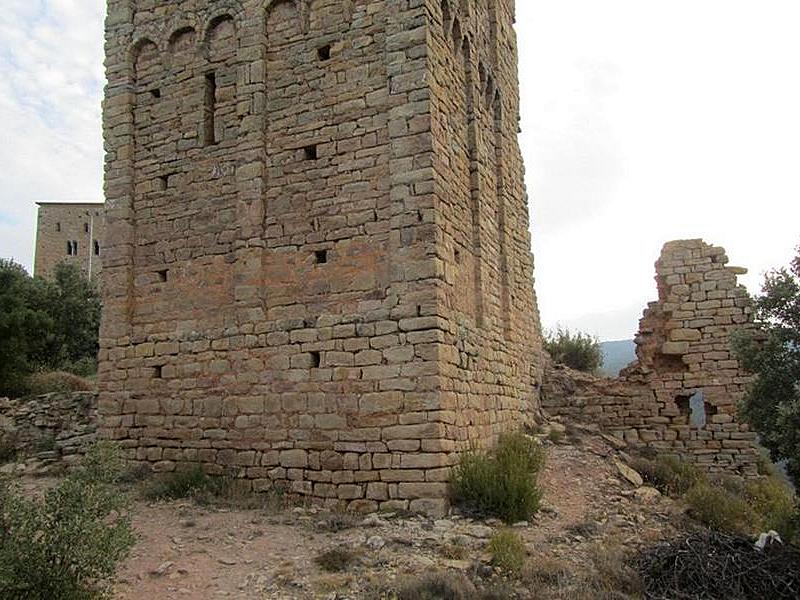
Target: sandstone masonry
<point>49,431</point>
<point>680,396</point>
<point>318,269</point>
<point>71,233</point>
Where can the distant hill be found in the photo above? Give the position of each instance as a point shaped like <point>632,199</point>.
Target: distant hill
<point>616,356</point>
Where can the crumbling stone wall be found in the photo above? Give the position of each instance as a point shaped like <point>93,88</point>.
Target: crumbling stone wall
<point>51,430</point>
<point>680,396</point>
<point>71,233</point>
<point>318,270</point>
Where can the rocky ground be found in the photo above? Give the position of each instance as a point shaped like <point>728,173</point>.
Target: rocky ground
<point>188,551</point>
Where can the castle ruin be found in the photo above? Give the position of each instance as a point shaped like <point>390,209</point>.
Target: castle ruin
<point>317,264</point>
<point>680,396</point>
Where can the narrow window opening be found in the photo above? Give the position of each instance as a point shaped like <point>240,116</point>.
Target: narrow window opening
<point>163,275</point>
<point>324,52</point>
<point>310,152</point>
<point>69,248</point>
<point>74,248</point>
<point>210,110</point>
<point>96,248</point>
<point>86,228</point>
<point>158,372</point>
<point>457,256</point>
<point>316,360</point>
<point>163,182</point>
<point>320,257</point>
<point>155,93</point>
<point>58,226</point>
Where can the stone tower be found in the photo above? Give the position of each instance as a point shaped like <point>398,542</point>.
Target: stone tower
<point>317,264</point>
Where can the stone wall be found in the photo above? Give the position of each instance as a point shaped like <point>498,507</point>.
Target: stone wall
<point>318,269</point>
<point>680,396</point>
<point>72,233</point>
<point>49,431</point>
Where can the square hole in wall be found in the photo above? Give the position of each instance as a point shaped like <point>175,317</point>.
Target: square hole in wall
<point>320,257</point>
<point>163,275</point>
<point>158,372</point>
<point>310,152</point>
<point>155,93</point>
<point>316,359</point>
<point>163,182</point>
<point>324,52</point>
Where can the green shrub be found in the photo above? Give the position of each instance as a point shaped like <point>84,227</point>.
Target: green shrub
<point>721,510</point>
<point>774,503</point>
<point>66,544</point>
<point>221,491</point>
<point>57,381</point>
<point>502,483</point>
<point>668,474</point>
<point>336,560</point>
<point>579,351</point>
<point>438,586</point>
<point>508,551</point>
<point>176,485</point>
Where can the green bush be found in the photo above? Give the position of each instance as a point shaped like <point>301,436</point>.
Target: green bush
<point>579,351</point>
<point>66,544</point>
<point>775,505</point>
<point>502,483</point>
<point>177,485</point>
<point>45,324</point>
<point>508,551</point>
<point>720,509</point>
<point>668,474</point>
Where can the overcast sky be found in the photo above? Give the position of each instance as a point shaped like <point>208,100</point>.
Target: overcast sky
<point>643,121</point>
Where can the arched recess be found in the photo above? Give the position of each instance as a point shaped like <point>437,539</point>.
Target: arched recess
<point>147,81</point>
<point>221,45</point>
<point>447,16</point>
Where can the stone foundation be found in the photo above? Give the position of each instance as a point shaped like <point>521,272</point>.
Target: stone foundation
<point>51,431</point>
<point>680,397</point>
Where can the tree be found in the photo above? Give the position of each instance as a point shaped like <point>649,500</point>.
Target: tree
<point>579,351</point>
<point>772,352</point>
<point>21,324</point>
<point>45,324</point>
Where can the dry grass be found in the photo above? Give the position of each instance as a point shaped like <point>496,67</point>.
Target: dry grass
<point>57,381</point>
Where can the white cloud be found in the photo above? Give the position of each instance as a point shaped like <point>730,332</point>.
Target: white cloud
<point>51,56</point>
<point>642,122</point>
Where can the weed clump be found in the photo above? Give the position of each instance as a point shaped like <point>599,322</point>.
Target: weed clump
<point>508,551</point>
<point>438,586</point>
<point>195,484</point>
<point>720,509</point>
<point>66,544</point>
<point>336,560</point>
<point>502,483</point>
<point>57,381</point>
<point>668,474</point>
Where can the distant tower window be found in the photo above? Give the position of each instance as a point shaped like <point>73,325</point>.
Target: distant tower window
<point>69,248</point>
<point>86,227</point>
<point>210,110</point>
<point>311,152</point>
<point>96,248</point>
<point>58,226</point>
<point>74,248</point>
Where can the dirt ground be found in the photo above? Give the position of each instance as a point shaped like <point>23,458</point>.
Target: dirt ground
<point>188,551</point>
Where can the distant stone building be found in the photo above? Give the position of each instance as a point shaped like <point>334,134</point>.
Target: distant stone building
<point>71,233</point>
<point>318,270</point>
